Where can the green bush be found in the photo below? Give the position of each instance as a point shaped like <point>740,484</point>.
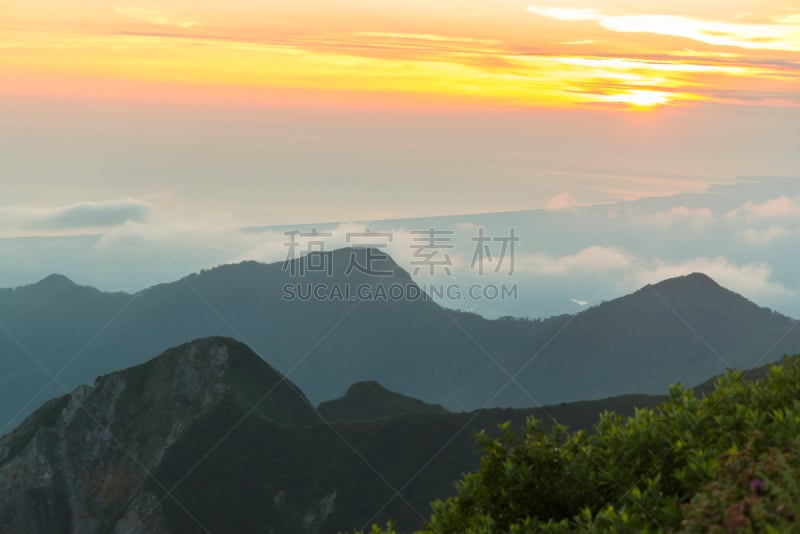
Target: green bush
<point>755,490</point>
<point>728,461</point>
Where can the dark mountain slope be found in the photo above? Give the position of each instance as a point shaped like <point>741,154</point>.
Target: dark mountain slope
<point>681,330</point>
<point>636,344</point>
<point>81,463</point>
<point>757,373</point>
<point>370,400</point>
<point>239,448</point>
<point>46,324</point>
<point>410,346</point>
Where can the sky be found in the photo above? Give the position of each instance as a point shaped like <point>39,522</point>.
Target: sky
<point>169,126</point>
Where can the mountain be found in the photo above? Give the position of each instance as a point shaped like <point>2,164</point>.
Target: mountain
<point>411,346</point>
<point>370,400</point>
<point>681,330</point>
<point>209,437</point>
<point>82,463</point>
<point>756,373</point>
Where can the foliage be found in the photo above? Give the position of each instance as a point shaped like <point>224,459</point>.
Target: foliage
<point>754,491</point>
<point>728,461</point>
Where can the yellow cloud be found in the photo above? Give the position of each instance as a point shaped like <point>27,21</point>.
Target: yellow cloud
<point>151,16</point>
<point>641,98</point>
<point>566,14</point>
<point>425,37</point>
<point>580,42</point>
<point>783,34</point>
<point>545,65</point>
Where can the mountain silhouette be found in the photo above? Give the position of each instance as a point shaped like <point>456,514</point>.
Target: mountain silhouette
<point>208,436</point>
<point>370,400</point>
<point>681,330</point>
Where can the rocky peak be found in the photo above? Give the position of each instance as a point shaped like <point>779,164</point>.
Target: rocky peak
<point>95,448</point>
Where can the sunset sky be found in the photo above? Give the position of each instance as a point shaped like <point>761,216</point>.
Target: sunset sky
<point>138,138</point>
<point>501,53</point>
<point>250,112</point>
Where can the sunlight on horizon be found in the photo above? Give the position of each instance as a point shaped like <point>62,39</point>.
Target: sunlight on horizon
<point>545,57</point>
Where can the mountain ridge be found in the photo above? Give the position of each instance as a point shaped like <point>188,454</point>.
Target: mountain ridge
<point>370,400</point>
<point>182,440</point>
<point>637,343</point>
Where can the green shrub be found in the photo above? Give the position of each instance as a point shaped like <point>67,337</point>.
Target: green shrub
<point>726,461</point>
<point>754,491</point>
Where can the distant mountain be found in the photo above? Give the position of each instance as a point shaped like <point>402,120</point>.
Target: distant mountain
<point>209,436</point>
<point>757,373</point>
<point>370,400</point>
<point>682,330</point>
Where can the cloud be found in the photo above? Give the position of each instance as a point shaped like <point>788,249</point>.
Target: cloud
<point>782,207</point>
<point>236,244</point>
<point>761,236</point>
<point>426,37</point>
<point>561,201</point>
<point>80,215</point>
<point>752,279</point>
<point>697,217</point>
<point>151,16</point>
<point>580,42</point>
<point>594,259</point>
<point>782,34</point>
<point>566,14</point>
<point>171,234</point>
<point>794,18</point>
<point>580,302</point>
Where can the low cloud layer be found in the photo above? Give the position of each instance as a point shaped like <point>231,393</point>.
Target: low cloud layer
<point>744,236</point>
<point>782,207</point>
<point>753,279</point>
<point>595,259</point>
<point>679,215</point>
<point>80,215</point>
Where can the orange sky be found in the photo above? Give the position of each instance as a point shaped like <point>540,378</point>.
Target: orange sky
<point>327,110</point>
<point>623,54</point>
